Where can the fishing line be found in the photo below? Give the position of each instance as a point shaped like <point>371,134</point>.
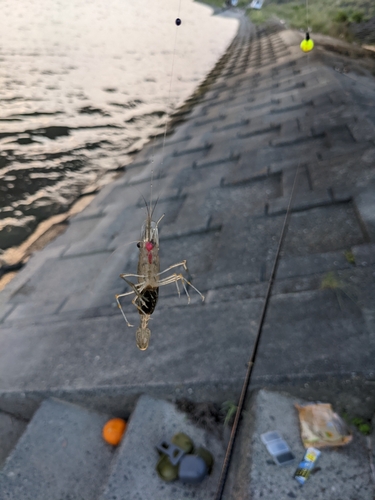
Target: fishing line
<point>178,23</point>
<point>228,454</point>
<point>307,15</point>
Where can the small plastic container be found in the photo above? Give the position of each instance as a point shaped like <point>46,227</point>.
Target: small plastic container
<point>277,448</point>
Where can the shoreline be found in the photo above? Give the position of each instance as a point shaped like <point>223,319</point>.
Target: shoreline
<point>49,229</point>
<point>46,231</point>
<point>67,127</point>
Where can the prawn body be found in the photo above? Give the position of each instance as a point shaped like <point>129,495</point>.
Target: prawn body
<point>146,290</point>
<point>148,267</point>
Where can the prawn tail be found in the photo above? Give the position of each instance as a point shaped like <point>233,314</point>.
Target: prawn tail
<point>143,333</point>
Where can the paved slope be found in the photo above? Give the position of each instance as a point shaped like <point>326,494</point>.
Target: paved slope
<point>226,178</point>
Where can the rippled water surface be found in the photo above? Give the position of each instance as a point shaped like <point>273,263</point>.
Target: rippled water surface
<point>85,83</point>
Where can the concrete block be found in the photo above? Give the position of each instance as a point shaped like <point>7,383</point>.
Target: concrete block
<point>5,309</point>
<point>60,455</point>
<point>133,474</point>
<point>341,472</point>
<point>289,328</point>
<point>307,149</point>
<point>192,218</point>
<point>173,141</point>
<point>310,264</point>
<point>229,126</point>
<point>220,101</point>
<point>195,248</point>
<point>204,148</point>
<point>100,353</point>
<point>213,160</point>
<point>100,237</point>
<point>209,120</point>
<point>365,204</point>
<point>11,429</point>
<point>292,139</point>
<point>323,229</point>
<point>364,254</point>
<point>301,202</point>
<point>58,278</point>
<point>232,264</point>
<point>32,267</point>
<point>255,132</point>
<point>242,175</point>
<point>34,310</point>
<point>303,181</point>
<point>362,129</point>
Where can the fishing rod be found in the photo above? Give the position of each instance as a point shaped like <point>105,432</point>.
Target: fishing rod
<point>306,46</point>
<point>250,365</point>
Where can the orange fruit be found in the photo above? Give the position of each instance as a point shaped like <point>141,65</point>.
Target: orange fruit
<point>113,431</point>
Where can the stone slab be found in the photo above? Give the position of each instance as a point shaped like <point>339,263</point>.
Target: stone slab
<point>33,310</point>
<point>365,204</point>
<point>311,264</point>
<point>341,472</point>
<point>11,429</point>
<point>101,352</point>
<point>303,201</point>
<point>289,329</point>
<point>58,278</point>
<point>60,455</point>
<point>133,474</point>
<point>100,236</point>
<point>323,229</point>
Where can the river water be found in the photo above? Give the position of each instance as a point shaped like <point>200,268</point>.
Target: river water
<point>83,83</point>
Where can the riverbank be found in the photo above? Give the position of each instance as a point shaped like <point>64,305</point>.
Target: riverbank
<point>268,104</point>
<point>228,173</point>
<point>15,258</point>
<point>351,20</point>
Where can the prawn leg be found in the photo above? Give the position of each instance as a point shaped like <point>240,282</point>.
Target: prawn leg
<point>183,264</point>
<point>138,296</point>
<point>123,276</point>
<point>174,278</point>
<point>120,306</point>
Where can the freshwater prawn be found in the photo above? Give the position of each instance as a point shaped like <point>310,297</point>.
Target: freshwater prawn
<point>148,273</point>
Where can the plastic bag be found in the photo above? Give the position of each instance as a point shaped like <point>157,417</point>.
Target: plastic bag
<point>321,427</point>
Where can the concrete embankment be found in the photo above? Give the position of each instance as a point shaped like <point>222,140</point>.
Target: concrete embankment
<point>226,179</point>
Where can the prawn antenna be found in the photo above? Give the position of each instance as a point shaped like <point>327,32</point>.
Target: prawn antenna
<point>146,204</point>
<point>156,202</point>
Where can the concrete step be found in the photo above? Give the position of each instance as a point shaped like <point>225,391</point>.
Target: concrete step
<point>341,472</point>
<point>61,455</point>
<point>133,474</point>
<point>11,429</point>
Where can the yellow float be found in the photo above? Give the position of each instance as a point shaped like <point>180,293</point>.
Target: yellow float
<point>307,44</point>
